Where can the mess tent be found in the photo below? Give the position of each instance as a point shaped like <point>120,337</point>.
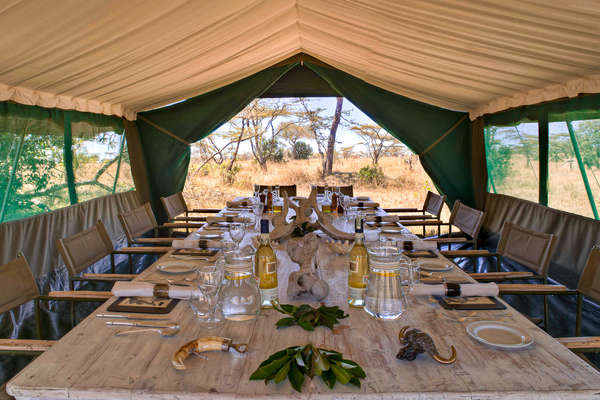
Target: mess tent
<point>139,82</point>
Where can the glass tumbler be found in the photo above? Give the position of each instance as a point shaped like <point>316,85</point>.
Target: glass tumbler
<point>385,298</point>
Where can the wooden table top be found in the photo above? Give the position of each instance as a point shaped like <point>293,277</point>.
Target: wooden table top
<point>91,363</point>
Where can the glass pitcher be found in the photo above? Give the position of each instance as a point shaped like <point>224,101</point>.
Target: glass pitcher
<point>239,296</point>
<point>389,276</point>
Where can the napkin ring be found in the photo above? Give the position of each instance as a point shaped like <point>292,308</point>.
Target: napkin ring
<point>161,291</point>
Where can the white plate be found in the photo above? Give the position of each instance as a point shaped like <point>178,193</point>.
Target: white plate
<point>390,230</point>
<point>177,267</point>
<point>435,265</point>
<point>230,214</point>
<point>499,334</point>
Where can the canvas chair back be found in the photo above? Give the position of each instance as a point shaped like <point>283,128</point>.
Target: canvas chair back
<point>174,205</point>
<point>467,219</point>
<point>434,204</point>
<point>17,285</point>
<point>289,189</point>
<point>138,221</point>
<point>345,190</point>
<point>85,248</point>
<point>527,247</point>
<point>589,283</point>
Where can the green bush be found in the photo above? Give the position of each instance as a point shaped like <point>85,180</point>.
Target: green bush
<point>228,176</point>
<point>272,150</point>
<point>372,175</point>
<point>302,151</point>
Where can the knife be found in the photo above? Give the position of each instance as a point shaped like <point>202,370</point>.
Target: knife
<point>141,324</point>
<point>116,316</point>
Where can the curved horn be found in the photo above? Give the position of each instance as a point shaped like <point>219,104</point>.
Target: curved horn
<point>448,360</point>
<point>402,332</point>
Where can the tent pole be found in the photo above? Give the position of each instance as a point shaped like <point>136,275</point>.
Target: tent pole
<point>581,165</point>
<point>544,145</point>
<point>119,163</point>
<point>11,178</point>
<point>486,132</point>
<point>68,158</point>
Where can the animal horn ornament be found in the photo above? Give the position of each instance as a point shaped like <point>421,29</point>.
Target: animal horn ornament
<point>416,341</point>
<point>203,344</point>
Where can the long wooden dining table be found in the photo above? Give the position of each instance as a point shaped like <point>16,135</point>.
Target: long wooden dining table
<point>90,362</point>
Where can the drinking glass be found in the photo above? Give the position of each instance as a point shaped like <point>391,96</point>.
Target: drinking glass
<point>204,302</point>
<point>237,231</point>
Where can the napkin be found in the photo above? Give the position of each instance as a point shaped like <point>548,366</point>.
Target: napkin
<point>417,244</point>
<point>196,244</point>
<point>382,218</point>
<point>146,289</point>
<point>370,204</point>
<point>226,219</point>
<point>467,289</point>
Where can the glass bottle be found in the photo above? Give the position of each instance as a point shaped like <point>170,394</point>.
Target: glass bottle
<point>359,267</point>
<point>340,207</point>
<point>334,200</point>
<point>266,267</point>
<point>269,206</point>
<point>239,296</point>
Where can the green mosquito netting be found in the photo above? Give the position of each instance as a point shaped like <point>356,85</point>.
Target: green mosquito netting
<point>51,158</point>
<point>441,137</point>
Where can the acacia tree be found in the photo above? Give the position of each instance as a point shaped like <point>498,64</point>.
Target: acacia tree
<point>376,140</point>
<point>323,129</point>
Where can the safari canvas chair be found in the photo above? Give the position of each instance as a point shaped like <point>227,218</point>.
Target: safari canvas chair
<point>430,212</point>
<point>527,247</point>
<point>17,287</point>
<point>289,189</point>
<point>84,249</point>
<point>138,222</point>
<point>468,220</point>
<point>178,213</point>
<point>345,190</point>
<point>588,287</point>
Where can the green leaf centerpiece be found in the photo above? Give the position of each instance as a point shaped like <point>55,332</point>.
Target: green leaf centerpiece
<point>297,361</point>
<point>309,317</point>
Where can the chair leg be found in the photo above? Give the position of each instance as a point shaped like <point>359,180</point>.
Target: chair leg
<point>73,316</point>
<point>38,322</point>
<point>546,313</point>
<point>449,236</point>
<point>112,263</point>
<point>130,260</point>
<point>579,312</point>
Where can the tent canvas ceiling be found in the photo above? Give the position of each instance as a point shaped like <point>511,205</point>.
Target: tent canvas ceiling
<point>121,57</point>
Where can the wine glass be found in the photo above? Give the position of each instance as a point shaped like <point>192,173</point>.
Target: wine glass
<point>237,231</point>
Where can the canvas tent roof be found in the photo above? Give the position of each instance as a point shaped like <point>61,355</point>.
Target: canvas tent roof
<point>120,57</point>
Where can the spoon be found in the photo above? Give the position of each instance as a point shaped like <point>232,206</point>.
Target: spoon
<point>163,332</point>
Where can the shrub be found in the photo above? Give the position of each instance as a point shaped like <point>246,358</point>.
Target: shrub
<point>272,150</point>
<point>302,151</point>
<point>228,176</point>
<point>371,174</point>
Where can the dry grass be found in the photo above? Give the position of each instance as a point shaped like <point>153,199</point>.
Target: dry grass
<point>405,185</point>
<point>566,190</point>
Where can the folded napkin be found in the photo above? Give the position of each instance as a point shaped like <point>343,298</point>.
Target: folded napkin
<point>370,204</point>
<point>239,203</point>
<point>467,289</point>
<point>196,244</point>
<point>382,218</point>
<point>416,245</point>
<point>146,289</point>
<point>226,219</point>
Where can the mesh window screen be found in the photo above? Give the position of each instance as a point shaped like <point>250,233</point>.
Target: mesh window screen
<point>100,165</point>
<point>574,166</point>
<point>32,174</point>
<point>512,155</point>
